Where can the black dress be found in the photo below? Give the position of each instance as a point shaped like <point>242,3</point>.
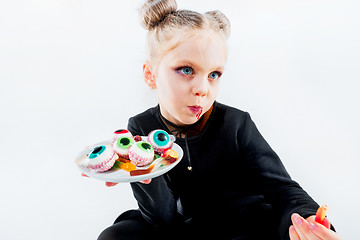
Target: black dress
<point>237,187</point>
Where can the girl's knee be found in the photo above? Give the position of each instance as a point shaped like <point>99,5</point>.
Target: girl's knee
<point>127,229</point>
<point>109,233</point>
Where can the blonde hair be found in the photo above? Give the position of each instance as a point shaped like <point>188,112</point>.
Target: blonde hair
<point>162,19</point>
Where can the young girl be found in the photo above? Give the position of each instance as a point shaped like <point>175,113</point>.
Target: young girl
<point>230,184</point>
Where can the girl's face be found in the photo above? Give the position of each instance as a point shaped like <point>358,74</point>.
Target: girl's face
<point>187,77</point>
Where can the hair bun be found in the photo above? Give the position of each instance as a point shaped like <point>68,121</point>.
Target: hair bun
<point>154,12</point>
<point>220,21</point>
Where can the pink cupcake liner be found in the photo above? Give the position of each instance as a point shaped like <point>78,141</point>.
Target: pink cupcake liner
<point>105,165</point>
<point>138,160</point>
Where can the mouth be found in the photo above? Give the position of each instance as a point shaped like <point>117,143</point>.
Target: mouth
<point>195,109</point>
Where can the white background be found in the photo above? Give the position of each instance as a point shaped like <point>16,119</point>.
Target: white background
<point>70,73</point>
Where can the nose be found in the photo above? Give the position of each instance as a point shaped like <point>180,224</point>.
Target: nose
<point>200,87</point>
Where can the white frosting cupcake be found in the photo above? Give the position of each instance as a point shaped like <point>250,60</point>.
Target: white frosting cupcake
<point>101,158</point>
<point>160,140</point>
<point>141,153</point>
<point>122,145</point>
<point>121,133</point>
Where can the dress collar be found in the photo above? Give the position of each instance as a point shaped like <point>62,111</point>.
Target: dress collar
<point>190,130</point>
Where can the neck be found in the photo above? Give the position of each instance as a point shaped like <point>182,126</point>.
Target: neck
<point>187,130</point>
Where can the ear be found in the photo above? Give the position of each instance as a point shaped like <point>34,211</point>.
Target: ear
<point>148,75</point>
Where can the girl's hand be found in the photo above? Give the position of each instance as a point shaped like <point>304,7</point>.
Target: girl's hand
<point>111,184</point>
<point>146,181</point>
<point>310,230</point>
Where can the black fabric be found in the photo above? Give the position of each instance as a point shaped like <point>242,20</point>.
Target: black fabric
<point>238,187</point>
<point>131,226</point>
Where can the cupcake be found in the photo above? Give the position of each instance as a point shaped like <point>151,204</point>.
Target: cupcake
<point>160,140</point>
<point>121,146</point>
<point>141,153</point>
<point>101,158</point>
<point>121,133</point>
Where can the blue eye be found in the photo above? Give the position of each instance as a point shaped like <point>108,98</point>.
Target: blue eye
<point>214,75</point>
<point>186,70</point>
<point>97,151</point>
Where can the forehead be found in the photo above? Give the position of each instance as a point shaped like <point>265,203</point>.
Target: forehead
<point>205,48</point>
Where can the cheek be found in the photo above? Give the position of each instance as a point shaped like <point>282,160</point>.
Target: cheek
<point>175,94</point>
<point>173,87</point>
<point>169,90</point>
<point>214,89</point>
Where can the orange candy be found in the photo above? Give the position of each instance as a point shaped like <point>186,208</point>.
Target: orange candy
<point>170,153</point>
<point>170,156</point>
<point>320,214</point>
<point>124,160</point>
<point>127,167</point>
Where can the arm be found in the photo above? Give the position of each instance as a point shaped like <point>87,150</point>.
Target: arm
<point>155,200</point>
<point>285,194</point>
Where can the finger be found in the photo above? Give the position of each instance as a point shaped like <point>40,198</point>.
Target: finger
<point>293,234</point>
<point>110,184</point>
<point>323,232</point>
<point>84,175</point>
<point>296,220</point>
<point>325,222</point>
<point>310,219</point>
<point>146,181</point>
<point>302,228</point>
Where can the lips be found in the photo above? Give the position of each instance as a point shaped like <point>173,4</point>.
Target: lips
<point>195,109</point>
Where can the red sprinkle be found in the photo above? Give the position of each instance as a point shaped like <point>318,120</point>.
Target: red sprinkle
<point>137,138</point>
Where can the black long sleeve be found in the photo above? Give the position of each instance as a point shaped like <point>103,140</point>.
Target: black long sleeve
<point>236,180</point>
<point>285,195</point>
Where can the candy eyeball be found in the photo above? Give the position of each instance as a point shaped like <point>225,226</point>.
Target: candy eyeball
<point>124,142</point>
<point>141,153</point>
<point>160,140</point>
<point>122,145</point>
<point>101,158</point>
<point>97,151</point>
<point>144,146</point>
<point>122,132</point>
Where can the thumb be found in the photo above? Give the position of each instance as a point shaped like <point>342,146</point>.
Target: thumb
<point>110,184</point>
<point>146,181</point>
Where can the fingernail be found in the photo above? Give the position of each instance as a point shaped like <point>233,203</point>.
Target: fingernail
<point>297,219</point>
<point>313,226</point>
<point>292,228</point>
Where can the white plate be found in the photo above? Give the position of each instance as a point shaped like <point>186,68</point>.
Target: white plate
<point>119,175</point>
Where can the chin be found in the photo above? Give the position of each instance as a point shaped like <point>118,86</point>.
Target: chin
<point>189,121</point>
<point>183,121</point>
<point>184,118</point>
